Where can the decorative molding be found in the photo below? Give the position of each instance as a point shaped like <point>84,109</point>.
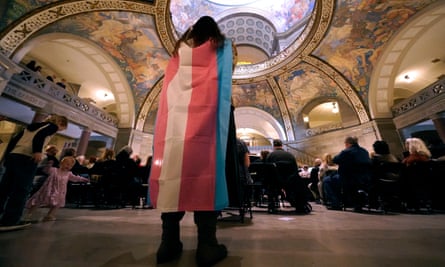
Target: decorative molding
<point>41,18</point>
<point>309,39</point>
<point>284,111</point>
<point>343,84</point>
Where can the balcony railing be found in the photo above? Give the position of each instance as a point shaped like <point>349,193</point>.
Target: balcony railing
<point>433,91</point>
<point>47,87</point>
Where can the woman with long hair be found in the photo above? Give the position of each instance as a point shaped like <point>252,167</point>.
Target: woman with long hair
<point>188,170</point>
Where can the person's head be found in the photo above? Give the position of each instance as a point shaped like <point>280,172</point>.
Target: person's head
<point>277,143</point>
<point>416,145</point>
<point>327,158</point>
<point>317,162</point>
<point>351,141</point>
<point>108,154</point>
<point>126,149</point>
<point>203,30</point>
<point>69,152</point>
<point>67,163</point>
<point>51,150</point>
<point>264,154</point>
<point>60,121</point>
<point>381,147</point>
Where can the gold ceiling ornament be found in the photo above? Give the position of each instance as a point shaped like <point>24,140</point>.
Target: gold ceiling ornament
<point>18,32</point>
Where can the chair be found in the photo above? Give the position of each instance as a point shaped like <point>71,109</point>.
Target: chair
<point>290,181</point>
<point>385,186</point>
<point>417,182</point>
<point>262,174</point>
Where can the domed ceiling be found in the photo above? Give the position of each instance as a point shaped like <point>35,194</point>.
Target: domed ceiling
<point>295,55</point>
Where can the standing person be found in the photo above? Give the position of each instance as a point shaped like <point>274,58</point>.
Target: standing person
<point>52,194</point>
<point>23,154</point>
<point>188,170</point>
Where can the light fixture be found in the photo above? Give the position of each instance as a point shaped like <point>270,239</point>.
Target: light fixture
<point>334,107</point>
<point>306,119</point>
<point>406,77</point>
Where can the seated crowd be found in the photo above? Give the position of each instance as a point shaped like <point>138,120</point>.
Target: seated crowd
<point>354,178</point>
<point>114,181</point>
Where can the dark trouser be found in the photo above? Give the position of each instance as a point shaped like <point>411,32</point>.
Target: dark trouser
<point>205,220</point>
<point>15,187</point>
<point>332,190</point>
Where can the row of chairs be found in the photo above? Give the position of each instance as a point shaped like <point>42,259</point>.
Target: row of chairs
<point>417,187</point>
<point>276,185</point>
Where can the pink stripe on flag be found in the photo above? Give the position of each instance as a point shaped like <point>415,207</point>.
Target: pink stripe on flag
<point>199,161</point>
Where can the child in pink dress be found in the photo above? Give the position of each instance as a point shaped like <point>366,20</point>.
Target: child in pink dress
<point>53,192</point>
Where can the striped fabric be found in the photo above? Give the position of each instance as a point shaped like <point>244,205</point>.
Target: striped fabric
<point>188,169</point>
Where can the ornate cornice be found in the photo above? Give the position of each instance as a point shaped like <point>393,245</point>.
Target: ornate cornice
<point>343,84</point>
<point>309,39</point>
<point>283,109</point>
<point>24,28</point>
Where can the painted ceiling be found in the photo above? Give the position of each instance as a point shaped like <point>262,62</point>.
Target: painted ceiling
<point>334,62</point>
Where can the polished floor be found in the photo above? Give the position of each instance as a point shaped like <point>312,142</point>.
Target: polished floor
<point>129,238</point>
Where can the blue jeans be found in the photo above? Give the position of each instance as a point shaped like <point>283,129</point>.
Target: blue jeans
<point>15,187</point>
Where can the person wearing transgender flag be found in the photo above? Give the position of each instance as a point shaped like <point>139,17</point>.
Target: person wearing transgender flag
<point>190,140</point>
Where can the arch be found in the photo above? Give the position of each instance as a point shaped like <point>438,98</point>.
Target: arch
<point>96,60</point>
<point>259,120</point>
<point>381,88</point>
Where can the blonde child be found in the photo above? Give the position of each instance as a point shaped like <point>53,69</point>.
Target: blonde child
<point>53,192</point>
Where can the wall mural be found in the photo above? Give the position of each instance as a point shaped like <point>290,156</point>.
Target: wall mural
<point>357,35</point>
<point>352,45</point>
<point>257,95</point>
<point>303,85</point>
<point>130,38</point>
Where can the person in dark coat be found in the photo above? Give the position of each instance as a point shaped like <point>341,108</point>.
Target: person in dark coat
<point>23,154</point>
<point>354,169</point>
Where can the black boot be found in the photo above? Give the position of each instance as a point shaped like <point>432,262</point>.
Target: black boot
<point>209,252</point>
<point>171,245</point>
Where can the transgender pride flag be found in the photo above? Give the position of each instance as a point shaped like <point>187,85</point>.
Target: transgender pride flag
<point>188,168</point>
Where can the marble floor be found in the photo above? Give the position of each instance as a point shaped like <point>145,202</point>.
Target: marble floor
<point>129,238</point>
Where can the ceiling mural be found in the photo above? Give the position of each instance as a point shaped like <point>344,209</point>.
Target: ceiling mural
<point>357,35</point>
<point>257,95</point>
<point>339,66</point>
<point>305,84</point>
<point>284,14</point>
<point>17,8</point>
<point>130,38</point>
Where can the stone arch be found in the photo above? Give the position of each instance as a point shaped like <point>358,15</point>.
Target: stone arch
<point>259,120</point>
<point>99,60</point>
<point>381,88</point>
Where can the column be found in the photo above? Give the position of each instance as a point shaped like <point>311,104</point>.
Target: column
<point>40,116</point>
<point>439,124</point>
<point>83,142</point>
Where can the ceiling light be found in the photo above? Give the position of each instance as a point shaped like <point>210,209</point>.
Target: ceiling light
<point>334,107</point>
<point>406,77</point>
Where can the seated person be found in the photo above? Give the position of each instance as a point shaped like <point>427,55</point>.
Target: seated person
<point>326,169</point>
<point>289,179</point>
<point>354,169</point>
<point>313,180</point>
<point>385,174</point>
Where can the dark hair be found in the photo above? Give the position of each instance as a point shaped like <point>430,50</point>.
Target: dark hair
<point>352,140</point>
<point>277,142</point>
<point>381,147</point>
<point>203,30</point>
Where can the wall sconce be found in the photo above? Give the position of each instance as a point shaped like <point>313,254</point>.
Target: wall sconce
<point>306,119</point>
<point>334,107</point>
